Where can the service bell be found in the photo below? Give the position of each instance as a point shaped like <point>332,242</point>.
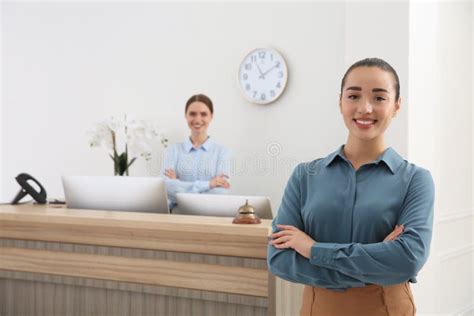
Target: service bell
<point>246,215</point>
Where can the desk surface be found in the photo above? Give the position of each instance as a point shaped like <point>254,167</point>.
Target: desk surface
<point>184,233</point>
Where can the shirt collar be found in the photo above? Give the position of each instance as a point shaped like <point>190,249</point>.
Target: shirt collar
<point>390,158</point>
<point>332,156</point>
<point>188,145</point>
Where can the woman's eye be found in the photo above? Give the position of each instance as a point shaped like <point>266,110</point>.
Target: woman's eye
<point>352,97</point>
<point>380,98</point>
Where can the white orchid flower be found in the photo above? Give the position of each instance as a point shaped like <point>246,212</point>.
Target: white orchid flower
<point>126,139</point>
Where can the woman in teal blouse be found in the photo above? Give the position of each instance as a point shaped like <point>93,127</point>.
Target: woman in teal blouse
<point>197,165</point>
<point>356,225</point>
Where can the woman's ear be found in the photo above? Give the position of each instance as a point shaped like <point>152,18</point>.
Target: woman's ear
<point>397,106</point>
<point>340,103</point>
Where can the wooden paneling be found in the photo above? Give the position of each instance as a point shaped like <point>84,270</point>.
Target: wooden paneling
<point>137,253</point>
<point>139,289</point>
<point>159,272</point>
<point>70,300</point>
<point>181,233</point>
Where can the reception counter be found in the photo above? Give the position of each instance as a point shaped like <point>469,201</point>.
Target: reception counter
<point>60,261</point>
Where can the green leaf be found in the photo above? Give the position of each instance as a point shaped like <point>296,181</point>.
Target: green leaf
<point>131,161</point>
<point>122,163</point>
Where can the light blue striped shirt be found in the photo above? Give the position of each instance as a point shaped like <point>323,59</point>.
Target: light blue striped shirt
<point>195,167</point>
<point>349,213</point>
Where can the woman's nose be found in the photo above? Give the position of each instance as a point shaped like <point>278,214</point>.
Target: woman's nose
<point>365,107</point>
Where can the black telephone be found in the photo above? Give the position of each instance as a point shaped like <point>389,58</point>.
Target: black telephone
<point>26,188</point>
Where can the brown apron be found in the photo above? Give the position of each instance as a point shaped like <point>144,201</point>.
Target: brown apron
<point>371,300</point>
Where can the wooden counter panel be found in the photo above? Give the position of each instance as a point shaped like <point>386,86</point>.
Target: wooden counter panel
<point>253,263</point>
<point>181,233</point>
<point>27,298</point>
<point>193,242</point>
<point>207,277</point>
<point>137,288</point>
<point>137,220</point>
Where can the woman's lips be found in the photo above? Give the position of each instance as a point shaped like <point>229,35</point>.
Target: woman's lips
<point>364,123</point>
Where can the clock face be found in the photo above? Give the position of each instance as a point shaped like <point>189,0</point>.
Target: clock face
<point>263,75</point>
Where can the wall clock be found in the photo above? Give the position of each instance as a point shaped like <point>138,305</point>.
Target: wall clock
<point>263,75</point>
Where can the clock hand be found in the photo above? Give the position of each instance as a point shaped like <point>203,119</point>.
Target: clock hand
<point>260,71</point>
<point>271,68</point>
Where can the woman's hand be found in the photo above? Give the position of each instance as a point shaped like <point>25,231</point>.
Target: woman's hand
<point>219,181</point>
<point>395,233</point>
<point>170,174</point>
<point>291,237</point>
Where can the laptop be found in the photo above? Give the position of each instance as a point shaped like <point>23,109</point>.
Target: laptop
<point>131,194</point>
<point>220,205</point>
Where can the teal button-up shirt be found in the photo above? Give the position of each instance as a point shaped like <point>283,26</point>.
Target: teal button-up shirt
<point>349,213</point>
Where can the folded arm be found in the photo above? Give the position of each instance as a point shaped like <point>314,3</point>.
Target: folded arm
<point>219,184</point>
<point>175,185</point>
<point>384,263</point>
<point>393,262</point>
<point>289,264</point>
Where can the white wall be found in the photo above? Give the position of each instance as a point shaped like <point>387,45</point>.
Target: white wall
<point>440,138</point>
<point>68,65</point>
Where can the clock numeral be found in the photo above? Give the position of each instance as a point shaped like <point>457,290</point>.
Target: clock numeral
<point>253,58</point>
<point>263,96</point>
<point>254,94</point>
<point>277,64</point>
<point>248,66</point>
<point>278,84</point>
<point>247,86</point>
<point>280,74</point>
<point>261,55</point>
<point>271,57</point>
<point>272,93</point>
<point>245,76</point>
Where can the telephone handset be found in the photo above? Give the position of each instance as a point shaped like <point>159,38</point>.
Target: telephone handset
<point>26,188</point>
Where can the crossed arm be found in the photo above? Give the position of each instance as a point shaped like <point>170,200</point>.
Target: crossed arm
<point>175,185</point>
<point>218,181</point>
<point>290,237</point>
<point>295,256</point>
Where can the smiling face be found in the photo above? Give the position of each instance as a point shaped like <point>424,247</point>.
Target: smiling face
<point>368,102</point>
<point>198,117</point>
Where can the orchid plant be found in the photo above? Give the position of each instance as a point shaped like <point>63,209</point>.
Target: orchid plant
<point>133,136</point>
